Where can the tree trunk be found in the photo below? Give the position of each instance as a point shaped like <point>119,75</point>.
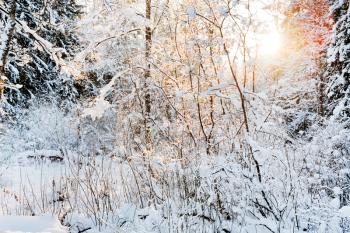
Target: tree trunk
<point>253,89</point>
<point>147,74</point>
<point>8,35</point>
<point>321,95</point>
<point>244,62</point>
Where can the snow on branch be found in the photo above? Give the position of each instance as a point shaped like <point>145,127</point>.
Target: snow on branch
<point>101,105</point>
<point>47,46</point>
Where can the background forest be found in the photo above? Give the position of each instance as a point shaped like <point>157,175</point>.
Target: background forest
<point>181,116</point>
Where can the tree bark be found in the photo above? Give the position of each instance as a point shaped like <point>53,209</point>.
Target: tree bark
<point>6,48</point>
<point>244,61</point>
<point>147,74</point>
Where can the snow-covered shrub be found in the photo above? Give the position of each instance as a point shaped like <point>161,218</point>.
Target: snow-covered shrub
<point>43,126</point>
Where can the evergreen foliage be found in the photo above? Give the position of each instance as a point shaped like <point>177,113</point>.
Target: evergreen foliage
<point>338,85</point>
<point>43,37</point>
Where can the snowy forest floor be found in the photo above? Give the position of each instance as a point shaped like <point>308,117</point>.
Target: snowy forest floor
<point>25,224</point>
<point>112,192</point>
<point>160,118</point>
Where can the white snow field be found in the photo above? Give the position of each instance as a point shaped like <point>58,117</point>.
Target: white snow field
<point>31,224</point>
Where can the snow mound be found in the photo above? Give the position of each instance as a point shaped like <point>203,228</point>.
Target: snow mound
<point>31,224</point>
<point>345,212</point>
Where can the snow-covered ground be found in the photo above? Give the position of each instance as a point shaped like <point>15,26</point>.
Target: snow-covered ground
<point>22,169</point>
<point>31,224</point>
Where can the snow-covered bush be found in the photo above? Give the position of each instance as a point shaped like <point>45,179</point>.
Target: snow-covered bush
<point>42,127</point>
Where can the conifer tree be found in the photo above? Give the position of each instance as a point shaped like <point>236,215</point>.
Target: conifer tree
<point>37,37</point>
<point>338,84</point>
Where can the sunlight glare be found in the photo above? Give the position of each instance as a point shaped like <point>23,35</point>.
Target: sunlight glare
<point>270,44</point>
